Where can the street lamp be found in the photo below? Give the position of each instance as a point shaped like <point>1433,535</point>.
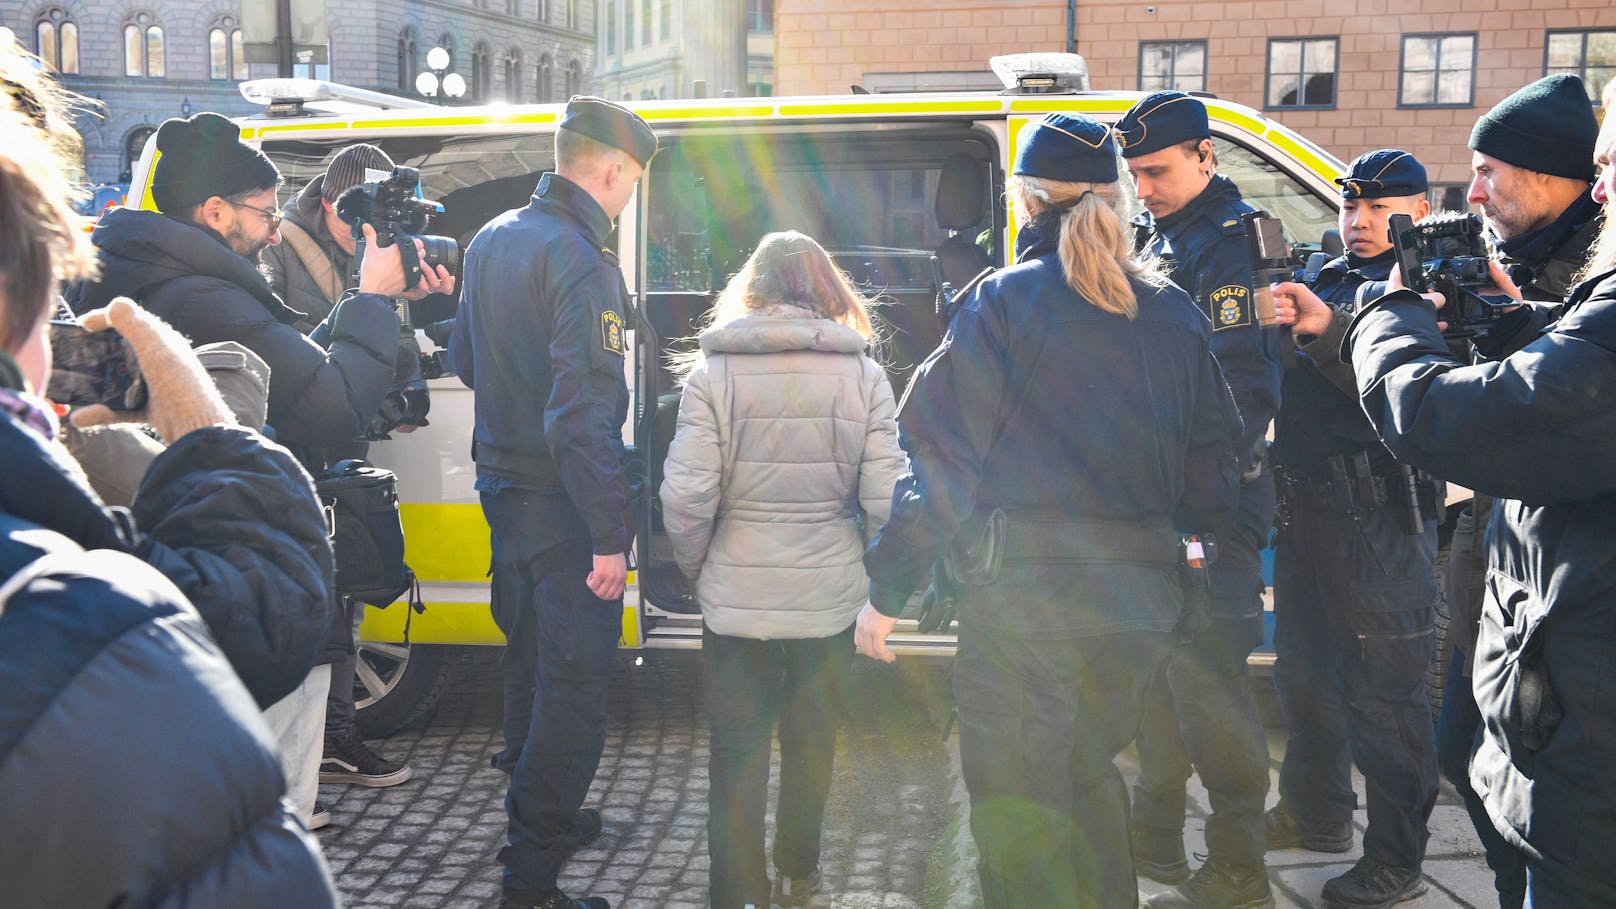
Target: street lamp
<point>436,82</point>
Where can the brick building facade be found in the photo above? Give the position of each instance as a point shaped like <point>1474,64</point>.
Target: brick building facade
<point>148,60</point>
<point>1412,74</point>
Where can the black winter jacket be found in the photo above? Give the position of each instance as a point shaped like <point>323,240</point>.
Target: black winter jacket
<point>135,770</point>
<point>228,517</point>
<point>1535,429</point>
<point>188,276</point>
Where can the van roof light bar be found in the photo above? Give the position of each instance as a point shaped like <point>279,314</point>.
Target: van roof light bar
<point>288,97</point>
<point>1041,73</point>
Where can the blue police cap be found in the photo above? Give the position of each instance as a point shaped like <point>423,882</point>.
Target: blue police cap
<point>1383,172</point>
<point>1161,120</point>
<point>611,124</point>
<point>1069,147</point>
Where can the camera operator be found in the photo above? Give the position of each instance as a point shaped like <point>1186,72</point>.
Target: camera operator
<point>194,263</point>
<point>1535,429</point>
<point>1354,582</point>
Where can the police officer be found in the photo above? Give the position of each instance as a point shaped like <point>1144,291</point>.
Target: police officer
<point>1354,577</point>
<point>539,334</point>
<point>1535,429</point>
<point>1074,421</point>
<point>1201,709</point>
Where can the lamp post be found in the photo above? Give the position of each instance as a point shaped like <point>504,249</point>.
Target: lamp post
<point>436,82</point>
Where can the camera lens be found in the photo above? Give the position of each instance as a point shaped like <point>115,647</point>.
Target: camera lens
<point>441,251</point>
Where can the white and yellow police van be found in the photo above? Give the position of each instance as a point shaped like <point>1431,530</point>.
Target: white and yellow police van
<point>907,192</point>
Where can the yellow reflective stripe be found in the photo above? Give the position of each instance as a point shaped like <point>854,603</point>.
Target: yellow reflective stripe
<point>315,126</point>
<point>1309,157</point>
<point>446,541</point>
<point>707,113</point>
<point>890,107</point>
<point>1055,105</point>
<point>458,623</point>
<point>540,117</point>
<point>147,203</point>
<point>1254,125</point>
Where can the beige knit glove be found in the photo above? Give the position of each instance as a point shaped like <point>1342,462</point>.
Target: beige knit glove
<point>180,396</point>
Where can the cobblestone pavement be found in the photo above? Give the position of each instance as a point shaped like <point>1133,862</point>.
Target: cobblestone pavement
<point>431,842</point>
<point>895,835</point>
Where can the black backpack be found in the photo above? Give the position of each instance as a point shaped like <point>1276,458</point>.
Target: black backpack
<point>367,534</point>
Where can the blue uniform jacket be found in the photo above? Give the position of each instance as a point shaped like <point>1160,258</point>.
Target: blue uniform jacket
<point>1204,245</point>
<point>1535,429</point>
<point>1037,400</point>
<point>540,335</point>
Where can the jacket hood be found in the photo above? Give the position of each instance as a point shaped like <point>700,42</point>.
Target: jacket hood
<point>305,210</point>
<point>779,328</point>
<point>140,250</point>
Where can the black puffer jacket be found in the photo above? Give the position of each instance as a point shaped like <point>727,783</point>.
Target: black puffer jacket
<point>188,276</point>
<point>230,518</point>
<point>134,768</point>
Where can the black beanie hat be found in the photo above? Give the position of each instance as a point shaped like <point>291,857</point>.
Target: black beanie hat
<point>204,157</point>
<point>1548,127</point>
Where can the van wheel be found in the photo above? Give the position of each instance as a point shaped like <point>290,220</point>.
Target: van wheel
<point>1436,675</point>
<point>397,685</point>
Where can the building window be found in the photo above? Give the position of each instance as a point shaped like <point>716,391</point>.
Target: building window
<point>761,89</point>
<point>226,56</point>
<point>645,23</point>
<point>513,9</point>
<point>572,14</point>
<point>628,25</point>
<point>1591,55</point>
<point>1438,71</point>
<point>1301,72</point>
<point>611,27</point>
<point>760,16</point>
<point>481,73</point>
<point>408,60</point>
<point>513,75</point>
<point>543,12</point>
<point>143,47</point>
<point>575,73</point>
<point>667,20</point>
<point>57,41</point>
<point>546,81</point>
<point>1177,65</point>
<point>1449,197</point>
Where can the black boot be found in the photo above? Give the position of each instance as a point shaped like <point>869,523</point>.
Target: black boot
<point>1372,884</point>
<point>555,899</point>
<point>1285,831</point>
<point>1158,854</point>
<point>1218,886</point>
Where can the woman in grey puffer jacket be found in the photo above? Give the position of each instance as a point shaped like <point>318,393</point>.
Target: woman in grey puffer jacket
<point>782,468</point>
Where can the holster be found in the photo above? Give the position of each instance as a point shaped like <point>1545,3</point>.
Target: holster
<point>976,554</point>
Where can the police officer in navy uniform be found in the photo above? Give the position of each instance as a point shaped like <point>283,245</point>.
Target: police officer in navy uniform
<point>1075,420</point>
<point>1201,709</point>
<point>1354,578</point>
<point>539,335</point>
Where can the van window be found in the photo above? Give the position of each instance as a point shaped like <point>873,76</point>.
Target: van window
<point>1265,186</point>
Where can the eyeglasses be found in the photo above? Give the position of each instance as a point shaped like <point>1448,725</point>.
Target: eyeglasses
<point>273,217</point>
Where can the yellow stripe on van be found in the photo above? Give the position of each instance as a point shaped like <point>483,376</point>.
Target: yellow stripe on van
<point>510,119</point>
<point>446,541</point>
<point>458,623</point>
<point>1057,105</point>
<point>890,107</point>
<point>1308,156</point>
<point>707,113</point>
<point>1251,124</point>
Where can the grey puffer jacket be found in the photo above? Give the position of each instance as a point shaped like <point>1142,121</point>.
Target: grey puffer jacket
<point>781,470</point>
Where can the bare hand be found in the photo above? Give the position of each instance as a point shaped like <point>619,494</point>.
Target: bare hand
<point>609,576</point>
<point>1502,283</point>
<point>870,635</point>
<point>1395,282</point>
<point>381,271</point>
<point>1297,306</point>
<point>435,280</point>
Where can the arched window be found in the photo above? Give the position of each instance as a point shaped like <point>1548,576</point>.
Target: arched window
<point>143,47</point>
<point>226,56</point>
<point>575,74</point>
<point>408,60</point>
<point>572,14</point>
<point>133,144</point>
<point>57,41</point>
<point>513,75</point>
<point>546,81</point>
<point>543,12</point>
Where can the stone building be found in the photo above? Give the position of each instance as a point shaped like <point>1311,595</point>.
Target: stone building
<point>148,60</point>
<point>661,48</point>
<point>1414,74</point>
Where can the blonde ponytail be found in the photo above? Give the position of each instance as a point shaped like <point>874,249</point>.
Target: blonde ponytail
<point>1095,254</point>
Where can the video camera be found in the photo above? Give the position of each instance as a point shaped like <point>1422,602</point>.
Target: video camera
<point>1449,254</point>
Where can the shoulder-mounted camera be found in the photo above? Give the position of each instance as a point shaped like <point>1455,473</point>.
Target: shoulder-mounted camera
<point>1448,254</point>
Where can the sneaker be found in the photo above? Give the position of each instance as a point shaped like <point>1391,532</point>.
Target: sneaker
<point>351,761</point>
<point>1158,854</point>
<point>555,899</point>
<point>1373,884</point>
<point>586,824</point>
<point>1218,886</point>
<point>794,892</point>
<point>320,818</point>
<point>1284,831</point>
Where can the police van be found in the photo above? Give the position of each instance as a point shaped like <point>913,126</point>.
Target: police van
<point>906,192</point>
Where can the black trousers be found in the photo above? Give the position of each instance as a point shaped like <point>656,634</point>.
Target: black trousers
<point>751,685</point>
<point>1354,621</point>
<point>1041,723</point>
<point>1200,714</point>
<point>564,639</point>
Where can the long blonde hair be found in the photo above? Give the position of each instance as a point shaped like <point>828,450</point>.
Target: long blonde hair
<point>1095,254</point>
<point>788,268</point>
